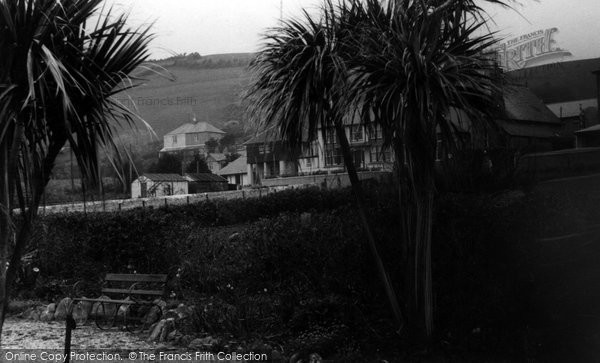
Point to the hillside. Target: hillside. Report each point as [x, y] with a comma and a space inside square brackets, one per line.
[207, 87]
[209, 94]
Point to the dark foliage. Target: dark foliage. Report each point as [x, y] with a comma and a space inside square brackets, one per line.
[267, 267]
[167, 163]
[197, 165]
[211, 145]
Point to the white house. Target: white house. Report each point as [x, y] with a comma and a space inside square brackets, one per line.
[159, 185]
[190, 138]
[236, 172]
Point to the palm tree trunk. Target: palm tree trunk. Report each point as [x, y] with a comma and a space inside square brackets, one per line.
[362, 211]
[5, 230]
[8, 274]
[417, 196]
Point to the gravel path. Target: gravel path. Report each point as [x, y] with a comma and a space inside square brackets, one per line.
[25, 334]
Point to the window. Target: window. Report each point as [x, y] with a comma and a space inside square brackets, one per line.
[196, 137]
[330, 136]
[309, 162]
[358, 157]
[378, 154]
[333, 156]
[310, 149]
[356, 133]
[375, 132]
[261, 148]
[174, 139]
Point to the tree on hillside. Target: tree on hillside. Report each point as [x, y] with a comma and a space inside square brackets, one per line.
[57, 83]
[226, 141]
[167, 164]
[197, 165]
[211, 145]
[403, 65]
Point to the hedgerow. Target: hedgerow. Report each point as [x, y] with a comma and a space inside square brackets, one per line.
[294, 264]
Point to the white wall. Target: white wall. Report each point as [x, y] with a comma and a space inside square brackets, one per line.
[163, 189]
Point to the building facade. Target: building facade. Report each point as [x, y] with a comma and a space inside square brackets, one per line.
[236, 172]
[216, 162]
[269, 157]
[159, 185]
[190, 139]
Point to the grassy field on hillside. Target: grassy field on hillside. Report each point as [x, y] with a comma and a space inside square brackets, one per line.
[212, 95]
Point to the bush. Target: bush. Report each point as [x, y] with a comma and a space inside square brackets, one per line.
[266, 267]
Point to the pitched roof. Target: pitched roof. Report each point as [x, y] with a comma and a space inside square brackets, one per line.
[217, 156]
[205, 177]
[272, 134]
[529, 130]
[269, 135]
[190, 128]
[560, 82]
[164, 177]
[590, 130]
[522, 104]
[238, 166]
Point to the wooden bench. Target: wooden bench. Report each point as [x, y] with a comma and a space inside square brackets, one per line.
[125, 292]
[128, 297]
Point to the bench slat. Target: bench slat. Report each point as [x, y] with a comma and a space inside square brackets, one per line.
[133, 292]
[136, 277]
[120, 302]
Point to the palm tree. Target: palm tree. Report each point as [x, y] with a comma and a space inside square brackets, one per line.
[57, 79]
[404, 65]
[298, 89]
[415, 63]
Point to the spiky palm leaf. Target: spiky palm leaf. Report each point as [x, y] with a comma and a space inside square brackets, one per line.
[401, 64]
[57, 82]
[298, 87]
[416, 62]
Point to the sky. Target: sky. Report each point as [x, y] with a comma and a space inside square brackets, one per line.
[210, 26]
[232, 26]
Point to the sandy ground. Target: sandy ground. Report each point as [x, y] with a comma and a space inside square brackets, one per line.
[25, 334]
[19, 334]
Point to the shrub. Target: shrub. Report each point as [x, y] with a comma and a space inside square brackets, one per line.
[259, 266]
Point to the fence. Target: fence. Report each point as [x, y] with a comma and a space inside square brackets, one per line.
[332, 181]
[173, 200]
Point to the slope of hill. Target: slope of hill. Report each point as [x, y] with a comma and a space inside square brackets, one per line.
[210, 91]
[210, 94]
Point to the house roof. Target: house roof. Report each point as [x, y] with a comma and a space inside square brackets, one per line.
[521, 104]
[590, 130]
[560, 82]
[205, 177]
[272, 134]
[269, 135]
[182, 148]
[217, 156]
[165, 177]
[529, 129]
[238, 166]
[191, 128]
